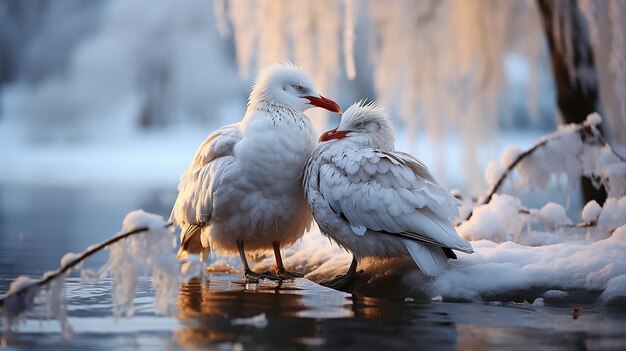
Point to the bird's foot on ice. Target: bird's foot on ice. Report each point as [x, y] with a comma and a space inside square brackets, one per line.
[343, 281]
[283, 273]
[255, 277]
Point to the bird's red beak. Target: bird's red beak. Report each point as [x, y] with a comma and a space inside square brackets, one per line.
[334, 134]
[324, 103]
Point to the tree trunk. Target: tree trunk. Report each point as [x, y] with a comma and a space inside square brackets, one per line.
[577, 95]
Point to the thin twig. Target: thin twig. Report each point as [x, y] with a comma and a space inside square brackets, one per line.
[587, 224]
[61, 270]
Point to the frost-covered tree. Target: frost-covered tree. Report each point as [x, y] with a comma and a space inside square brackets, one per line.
[441, 64]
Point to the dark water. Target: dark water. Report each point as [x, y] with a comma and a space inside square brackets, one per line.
[38, 225]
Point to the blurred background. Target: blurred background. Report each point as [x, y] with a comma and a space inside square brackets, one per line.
[119, 93]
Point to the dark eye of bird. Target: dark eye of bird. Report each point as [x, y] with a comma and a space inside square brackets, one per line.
[299, 88]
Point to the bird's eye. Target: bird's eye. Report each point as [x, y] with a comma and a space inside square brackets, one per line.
[299, 88]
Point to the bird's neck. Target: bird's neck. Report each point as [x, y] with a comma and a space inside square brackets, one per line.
[274, 107]
[382, 144]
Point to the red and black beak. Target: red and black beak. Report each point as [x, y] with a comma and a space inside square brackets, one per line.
[334, 134]
[324, 103]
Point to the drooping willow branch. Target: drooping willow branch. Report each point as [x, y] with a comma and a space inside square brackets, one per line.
[73, 263]
[586, 132]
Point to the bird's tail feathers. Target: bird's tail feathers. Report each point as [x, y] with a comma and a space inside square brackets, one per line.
[429, 258]
[191, 243]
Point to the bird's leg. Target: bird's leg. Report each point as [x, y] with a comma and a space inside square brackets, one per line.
[342, 281]
[247, 272]
[282, 272]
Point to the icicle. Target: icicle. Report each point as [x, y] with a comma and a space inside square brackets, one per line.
[617, 61]
[221, 22]
[348, 38]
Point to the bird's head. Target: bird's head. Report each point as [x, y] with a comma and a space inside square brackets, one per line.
[367, 124]
[287, 84]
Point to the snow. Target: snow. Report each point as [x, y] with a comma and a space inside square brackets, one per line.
[499, 220]
[16, 305]
[139, 254]
[68, 258]
[591, 211]
[593, 119]
[555, 295]
[615, 291]
[56, 306]
[613, 213]
[495, 269]
[554, 215]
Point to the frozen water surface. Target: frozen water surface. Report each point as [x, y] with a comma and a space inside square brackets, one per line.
[38, 225]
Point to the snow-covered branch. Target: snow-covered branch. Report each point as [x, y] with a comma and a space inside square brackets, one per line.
[70, 261]
[144, 246]
[581, 150]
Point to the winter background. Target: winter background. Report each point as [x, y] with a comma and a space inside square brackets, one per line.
[103, 104]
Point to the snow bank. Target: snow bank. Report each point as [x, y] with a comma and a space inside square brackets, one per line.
[507, 267]
[495, 271]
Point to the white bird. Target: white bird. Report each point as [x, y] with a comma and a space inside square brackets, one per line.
[244, 185]
[378, 202]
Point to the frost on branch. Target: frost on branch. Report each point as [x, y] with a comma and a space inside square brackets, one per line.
[561, 157]
[564, 156]
[143, 255]
[144, 247]
[19, 298]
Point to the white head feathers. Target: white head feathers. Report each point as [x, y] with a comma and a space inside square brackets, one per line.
[282, 84]
[369, 124]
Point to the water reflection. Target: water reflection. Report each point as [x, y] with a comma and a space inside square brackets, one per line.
[301, 313]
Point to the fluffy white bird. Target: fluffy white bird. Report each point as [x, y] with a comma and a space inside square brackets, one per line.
[243, 188]
[378, 202]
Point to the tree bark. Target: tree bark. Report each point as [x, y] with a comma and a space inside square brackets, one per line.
[577, 95]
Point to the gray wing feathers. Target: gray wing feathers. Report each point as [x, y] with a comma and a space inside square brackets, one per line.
[390, 192]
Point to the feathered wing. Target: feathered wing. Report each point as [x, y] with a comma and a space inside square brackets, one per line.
[390, 192]
[194, 205]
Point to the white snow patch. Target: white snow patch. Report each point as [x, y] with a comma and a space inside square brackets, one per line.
[594, 119]
[554, 215]
[69, 258]
[591, 211]
[499, 220]
[615, 290]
